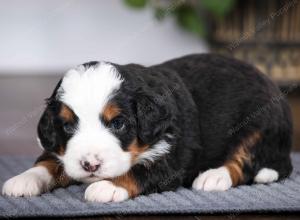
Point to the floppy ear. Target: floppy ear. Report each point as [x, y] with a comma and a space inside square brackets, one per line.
[153, 116]
[46, 126]
[46, 130]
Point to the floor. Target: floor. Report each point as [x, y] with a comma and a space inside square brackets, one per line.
[286, 216]
[22, 102]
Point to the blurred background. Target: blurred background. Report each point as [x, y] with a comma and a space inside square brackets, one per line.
[40, 40]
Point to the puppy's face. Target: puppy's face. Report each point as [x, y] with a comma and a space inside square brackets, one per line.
[95, 125]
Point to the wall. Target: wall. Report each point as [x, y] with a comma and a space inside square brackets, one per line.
[42, 37]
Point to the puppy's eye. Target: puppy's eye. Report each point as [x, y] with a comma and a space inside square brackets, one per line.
[117, 124]
[68, 128]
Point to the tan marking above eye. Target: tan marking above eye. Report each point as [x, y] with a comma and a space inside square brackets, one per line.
[66, 113]
[61, 150]
[110, 111]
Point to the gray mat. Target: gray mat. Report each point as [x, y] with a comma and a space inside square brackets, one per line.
[276, 197]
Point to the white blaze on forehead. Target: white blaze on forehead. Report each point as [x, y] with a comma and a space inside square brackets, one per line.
[86, 91]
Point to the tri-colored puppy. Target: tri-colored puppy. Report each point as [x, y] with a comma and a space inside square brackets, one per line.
[201, 120]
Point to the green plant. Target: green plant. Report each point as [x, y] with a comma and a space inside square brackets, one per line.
[192, 15]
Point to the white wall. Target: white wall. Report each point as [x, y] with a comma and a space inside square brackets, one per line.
[49, 36]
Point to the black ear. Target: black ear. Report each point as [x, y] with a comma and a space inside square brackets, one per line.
[154, 116]
[46, 126]
[46, 130]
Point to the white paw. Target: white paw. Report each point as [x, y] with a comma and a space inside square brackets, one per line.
[105, 191]
[30, 183]
[266, 175]
[213, 180]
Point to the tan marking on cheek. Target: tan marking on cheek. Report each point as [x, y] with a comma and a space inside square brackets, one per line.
[66, 113]
[57, 171]
[111, 111]
[240, 157]
[135, 149]
[128, 182]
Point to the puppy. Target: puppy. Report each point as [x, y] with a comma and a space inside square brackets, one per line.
[204, 121]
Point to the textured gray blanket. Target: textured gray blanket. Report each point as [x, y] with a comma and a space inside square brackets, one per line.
[283, 196]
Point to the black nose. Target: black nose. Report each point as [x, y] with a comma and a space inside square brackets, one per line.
[89, 167]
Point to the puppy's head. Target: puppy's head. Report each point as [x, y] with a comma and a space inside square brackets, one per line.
[100, 123]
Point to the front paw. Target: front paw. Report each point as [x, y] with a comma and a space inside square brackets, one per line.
[105, 191]
[29, 183]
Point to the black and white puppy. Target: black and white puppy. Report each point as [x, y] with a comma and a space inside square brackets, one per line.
[204, 121]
